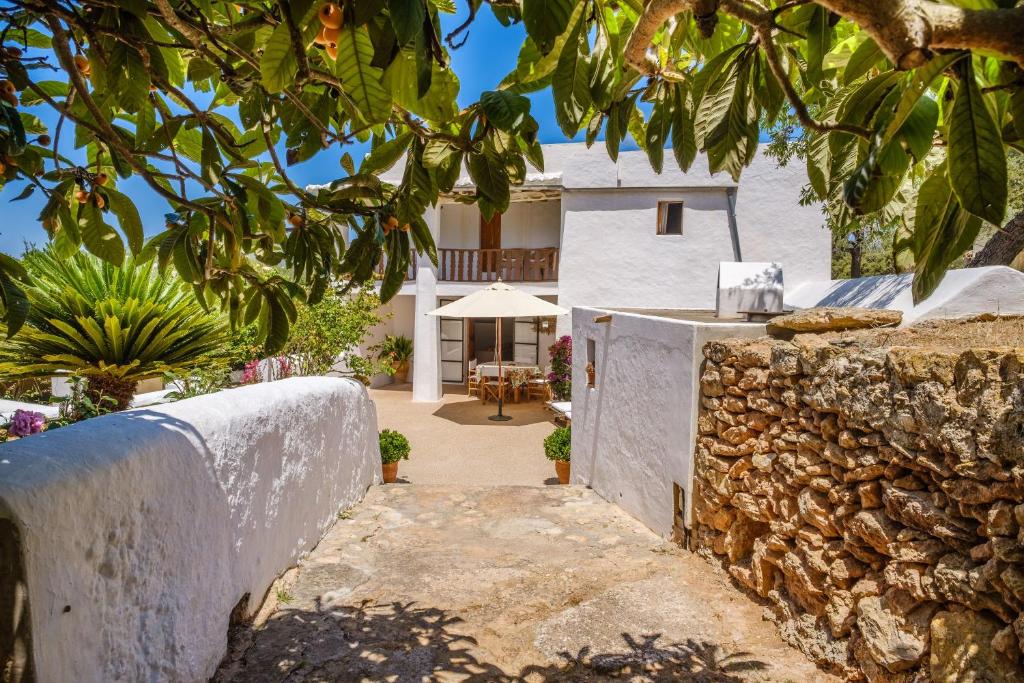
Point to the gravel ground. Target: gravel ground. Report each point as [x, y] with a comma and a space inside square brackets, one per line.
[509, 583]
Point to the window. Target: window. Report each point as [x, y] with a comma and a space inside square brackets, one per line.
[670, 218]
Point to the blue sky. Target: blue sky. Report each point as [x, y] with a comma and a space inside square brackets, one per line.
[488, 54]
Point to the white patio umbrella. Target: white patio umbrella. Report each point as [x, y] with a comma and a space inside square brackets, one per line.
[499, 301]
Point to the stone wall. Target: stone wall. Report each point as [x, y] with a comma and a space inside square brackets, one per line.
[873, 497]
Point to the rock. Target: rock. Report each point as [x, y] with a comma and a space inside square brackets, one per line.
[915, 509]
[816, 510]
[828, 319]
[870, 493]
[962, 650]
[1006, 643]
[875, 528]
[839, 612]
[895, 628]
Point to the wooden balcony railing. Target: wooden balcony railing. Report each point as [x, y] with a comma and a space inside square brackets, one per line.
[487, 265]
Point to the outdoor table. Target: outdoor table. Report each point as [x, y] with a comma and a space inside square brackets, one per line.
[491, 370]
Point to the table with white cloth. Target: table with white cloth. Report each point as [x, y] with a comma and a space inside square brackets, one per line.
[489, 371]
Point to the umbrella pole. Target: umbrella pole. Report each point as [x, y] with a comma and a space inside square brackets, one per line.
[500, 417]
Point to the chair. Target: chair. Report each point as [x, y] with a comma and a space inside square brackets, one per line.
[490, 388]
[473, 383]
[538, 387]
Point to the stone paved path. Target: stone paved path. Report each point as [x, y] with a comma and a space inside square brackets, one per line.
[445, 583]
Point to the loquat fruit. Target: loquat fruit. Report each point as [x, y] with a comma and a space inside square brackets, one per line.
[100, 203]
[332, 51]
[7, 86]
[44, 140]
[101, 178]
[82, 196]
[330, 15]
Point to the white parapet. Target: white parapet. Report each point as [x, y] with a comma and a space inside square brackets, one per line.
[141, 531]
[633, 430]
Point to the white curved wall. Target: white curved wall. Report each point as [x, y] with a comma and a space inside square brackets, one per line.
[142, 530]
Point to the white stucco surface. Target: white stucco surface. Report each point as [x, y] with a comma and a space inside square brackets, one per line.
[633, 432]
[142, 530]
[962, 292]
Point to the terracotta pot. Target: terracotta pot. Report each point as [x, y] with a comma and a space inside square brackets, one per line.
[562, 470]
[402, 372]
[390, 472]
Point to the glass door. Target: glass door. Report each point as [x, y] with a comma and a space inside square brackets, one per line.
[452, 348]
[527, 340]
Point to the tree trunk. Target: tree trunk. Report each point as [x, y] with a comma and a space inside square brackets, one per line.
[1004, 246]
[109, 393]
[856, 251]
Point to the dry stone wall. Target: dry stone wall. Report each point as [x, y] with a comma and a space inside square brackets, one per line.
[874, 498]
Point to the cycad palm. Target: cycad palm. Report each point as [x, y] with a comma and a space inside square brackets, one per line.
[114, 325]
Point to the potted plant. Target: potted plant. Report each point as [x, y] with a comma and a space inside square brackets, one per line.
[393, 447]
[396, 351]
[557, 446]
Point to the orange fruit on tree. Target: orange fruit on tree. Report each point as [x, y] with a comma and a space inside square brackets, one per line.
[99, 200]
[332, 51]
[43, 140]
[82, 196]
[7, 86]
[82, 63]
[296, 220]
[330, 15]
[320, 39]
[330, 35]
[101, 178]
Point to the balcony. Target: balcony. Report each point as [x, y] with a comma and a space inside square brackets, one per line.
[488, 265]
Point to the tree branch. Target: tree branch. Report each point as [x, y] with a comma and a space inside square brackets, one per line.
[908, 30]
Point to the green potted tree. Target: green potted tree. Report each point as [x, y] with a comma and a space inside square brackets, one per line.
[396, 351]
[557, 447]
[393, 447]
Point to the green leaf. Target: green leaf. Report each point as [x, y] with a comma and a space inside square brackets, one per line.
[570, 82]
[684, 142]
[875, 181]
[386, 154]
[128, 217]
[658, 129]
[491, 179]
[863, 58]
[407, 19]
[942, 232]
[919, 81]
[977, 159]
[98, 237]
[15, 301]
[503, 109]
[918, 129]
[819, 42]
[545, 20]
[278, 65]
[402, 81]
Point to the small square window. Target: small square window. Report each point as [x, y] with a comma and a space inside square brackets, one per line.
[670, 218]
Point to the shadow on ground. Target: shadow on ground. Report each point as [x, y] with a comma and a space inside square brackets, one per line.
[405, 642]
[477, 413]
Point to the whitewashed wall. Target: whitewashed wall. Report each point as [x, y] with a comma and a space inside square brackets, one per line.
[633, 433]
[142, 530]
[525, 225]
[612, 255]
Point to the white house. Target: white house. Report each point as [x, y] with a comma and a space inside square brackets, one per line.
[589, 231]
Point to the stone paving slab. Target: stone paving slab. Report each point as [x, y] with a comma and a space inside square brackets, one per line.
[546, 583]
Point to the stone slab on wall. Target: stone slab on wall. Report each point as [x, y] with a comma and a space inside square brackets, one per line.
[874, 497]
[141, 531]
[633, 432]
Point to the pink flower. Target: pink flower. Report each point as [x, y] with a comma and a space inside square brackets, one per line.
[26, 423]
[251, 374]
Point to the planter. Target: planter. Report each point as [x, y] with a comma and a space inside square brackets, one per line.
[390, 470]
[562, 470]
[402, 372]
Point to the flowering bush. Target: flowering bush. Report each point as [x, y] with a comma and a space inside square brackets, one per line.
[251, 373]
[26, 423]
[560, 377]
